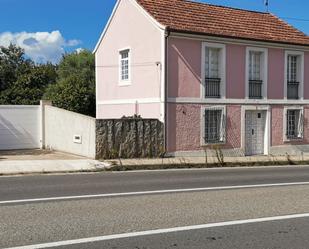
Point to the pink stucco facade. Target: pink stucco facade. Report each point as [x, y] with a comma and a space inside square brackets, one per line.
[184, 68]
[276, 60]
[184, 120]
[277, 127]
[129, 28]
[184, 126]
[235, 71]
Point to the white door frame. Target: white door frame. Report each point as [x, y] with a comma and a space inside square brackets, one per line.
[267, 133]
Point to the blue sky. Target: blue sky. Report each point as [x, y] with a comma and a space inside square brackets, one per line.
[51, 27]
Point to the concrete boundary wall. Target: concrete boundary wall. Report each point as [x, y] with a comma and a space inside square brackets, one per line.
[49, 127]
[69, 132]
[45, 126]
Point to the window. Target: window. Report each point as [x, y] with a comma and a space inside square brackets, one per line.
[255, 65]
[294, 124]
[256, 73]
[214, 70]
[292, 77]
[292, 68]
[212, 62]
[214, 125]
[124, 65]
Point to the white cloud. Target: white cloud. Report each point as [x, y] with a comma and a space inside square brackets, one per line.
[39, 46]
[79, 50]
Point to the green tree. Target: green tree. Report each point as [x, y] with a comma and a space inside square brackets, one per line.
[30, 87]
[12, 65]
[75, 87]
[22, 82]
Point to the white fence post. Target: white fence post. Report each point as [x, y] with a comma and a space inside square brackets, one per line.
[43, 103]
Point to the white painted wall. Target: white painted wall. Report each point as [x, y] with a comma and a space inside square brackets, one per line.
[20, 127]
[60, 128]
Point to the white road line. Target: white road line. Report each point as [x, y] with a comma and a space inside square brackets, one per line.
[160, 231]
[65, 198]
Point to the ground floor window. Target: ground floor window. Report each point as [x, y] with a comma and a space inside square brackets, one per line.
[294, 124]
[214, 125]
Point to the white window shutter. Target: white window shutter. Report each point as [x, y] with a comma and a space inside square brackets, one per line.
[205, 126]
[223, 127]
[286, 124]
[300, 125]
[207, 62]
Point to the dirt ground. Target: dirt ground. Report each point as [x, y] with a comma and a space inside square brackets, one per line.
[36, 155]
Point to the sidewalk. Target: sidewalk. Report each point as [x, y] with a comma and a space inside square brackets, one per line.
[38, 162]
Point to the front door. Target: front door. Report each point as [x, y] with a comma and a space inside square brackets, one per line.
[255, 132]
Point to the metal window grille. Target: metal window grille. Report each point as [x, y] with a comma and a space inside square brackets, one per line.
[293, 90]
[124, 64]
[294, 124]
[214, 128]
[212, 87]
[255, 89]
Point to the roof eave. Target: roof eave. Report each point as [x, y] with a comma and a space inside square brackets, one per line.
[235, 37]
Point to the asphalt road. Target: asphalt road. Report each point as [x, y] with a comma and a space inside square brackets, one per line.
[58, 220]
[292, 234]
[28, 187]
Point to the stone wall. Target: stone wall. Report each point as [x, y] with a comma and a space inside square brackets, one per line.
[129, 138]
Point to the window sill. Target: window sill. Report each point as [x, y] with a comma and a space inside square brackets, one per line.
[124, 83]
[297, 139]
[213, 144]
[215, 97]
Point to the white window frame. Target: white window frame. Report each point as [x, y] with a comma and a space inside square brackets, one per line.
[301, 76]
[263, 69]
[222, 68]
[223, 124]
[128, 81]
[286, 108]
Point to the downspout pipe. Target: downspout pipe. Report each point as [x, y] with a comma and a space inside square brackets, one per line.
[167, 34]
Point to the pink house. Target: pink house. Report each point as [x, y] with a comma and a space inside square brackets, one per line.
[211, 74]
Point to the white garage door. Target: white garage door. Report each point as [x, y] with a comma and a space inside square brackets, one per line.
[20, 127]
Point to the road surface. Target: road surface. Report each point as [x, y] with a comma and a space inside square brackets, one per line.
[213, 208]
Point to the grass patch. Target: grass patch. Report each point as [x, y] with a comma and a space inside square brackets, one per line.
[201, 166]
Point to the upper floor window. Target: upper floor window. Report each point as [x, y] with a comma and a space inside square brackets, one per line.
[212, 62]
[124, 69]
[257, 72]
[294, 75]
[214, 70]
[255, 65]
